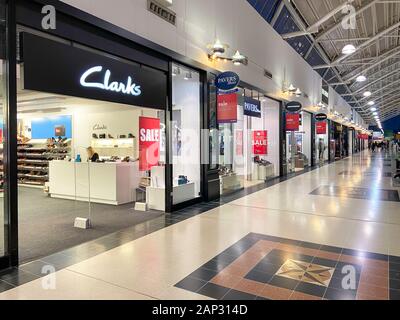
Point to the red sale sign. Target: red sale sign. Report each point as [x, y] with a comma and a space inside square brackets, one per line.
[321, 127]
[292, 122]
[227, 108]
[149, 143]
[260, 143]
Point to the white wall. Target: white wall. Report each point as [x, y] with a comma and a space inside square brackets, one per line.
[186, 98]
[270, 122]
[236, 23]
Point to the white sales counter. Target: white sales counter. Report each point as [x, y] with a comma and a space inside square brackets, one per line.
[110, 183]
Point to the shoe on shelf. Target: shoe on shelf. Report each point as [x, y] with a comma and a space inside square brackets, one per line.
[131, 136]
[95, 136]
[110, 136]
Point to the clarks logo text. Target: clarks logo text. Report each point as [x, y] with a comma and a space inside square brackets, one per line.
[128, 88]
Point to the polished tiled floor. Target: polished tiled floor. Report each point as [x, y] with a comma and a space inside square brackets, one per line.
[307, 234]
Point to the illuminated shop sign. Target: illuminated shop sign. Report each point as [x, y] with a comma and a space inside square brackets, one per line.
[125, 88]
[51, 66]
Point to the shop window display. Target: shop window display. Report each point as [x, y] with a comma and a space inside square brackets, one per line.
[249, 144]
[298, 143]
[233, 142]
[322, 141]
[185, 134]
[88, 159]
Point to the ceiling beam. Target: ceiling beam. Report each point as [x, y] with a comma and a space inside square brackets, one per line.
[302, 25]
[368, 42]
[378, 61]
[315, 27]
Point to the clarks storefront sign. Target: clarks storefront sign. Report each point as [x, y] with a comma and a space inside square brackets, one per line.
[55, 67]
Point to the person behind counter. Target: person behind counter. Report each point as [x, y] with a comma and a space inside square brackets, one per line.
[92, 155]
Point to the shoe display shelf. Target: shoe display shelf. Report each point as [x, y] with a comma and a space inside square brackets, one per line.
[33, 160]
[115, 147]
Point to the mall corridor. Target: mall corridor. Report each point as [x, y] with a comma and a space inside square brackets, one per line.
[291, 240]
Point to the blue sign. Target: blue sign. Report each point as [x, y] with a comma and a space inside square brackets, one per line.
[252, 107]
[227, 81]
[45, 128]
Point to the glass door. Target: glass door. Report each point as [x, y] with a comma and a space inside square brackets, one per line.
[3, 98]
[8, 237]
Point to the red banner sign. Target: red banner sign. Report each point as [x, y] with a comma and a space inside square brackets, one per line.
[149, 143]
[363, 136]
[321, 127]
[260, 143]
[292, 122]
[227, 108]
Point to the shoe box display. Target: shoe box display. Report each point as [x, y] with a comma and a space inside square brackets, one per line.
[263, 169]
[109, 136]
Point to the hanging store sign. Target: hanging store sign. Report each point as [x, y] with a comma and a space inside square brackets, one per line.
[292, 122]
[252, 107]
[54, 67]
[321, 127]
[293, 106]
[321, 117]
[149, 142]
[227, 108]
[227, 81]
[260, 142]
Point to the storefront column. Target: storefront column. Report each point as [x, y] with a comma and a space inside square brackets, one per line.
[10, 138]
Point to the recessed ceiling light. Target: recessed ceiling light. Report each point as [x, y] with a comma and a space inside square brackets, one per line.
[371, 103]
[375, 113]
[361, 78]
[373, 109]
[367, 93]
[348, 49]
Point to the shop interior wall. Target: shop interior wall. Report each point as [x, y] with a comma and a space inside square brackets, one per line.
[270, 122]
[85, 119]
[186, 100]
[306, 129]
[234, 22]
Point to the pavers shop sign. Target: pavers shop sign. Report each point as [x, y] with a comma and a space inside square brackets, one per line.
[252, 108]
[227, 81]
[149, 142]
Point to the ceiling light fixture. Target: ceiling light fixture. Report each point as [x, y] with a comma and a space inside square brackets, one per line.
[371, 103]
[361, 78]
[348, 49]
[373, 109]
[218, 48]
[239, 59]
[367, 93]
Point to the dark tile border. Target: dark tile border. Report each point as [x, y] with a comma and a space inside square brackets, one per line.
[266, 277]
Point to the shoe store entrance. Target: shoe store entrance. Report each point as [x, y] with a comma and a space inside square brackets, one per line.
[91, 146]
